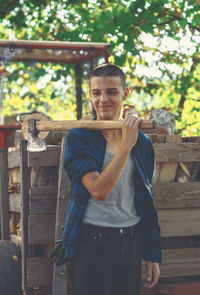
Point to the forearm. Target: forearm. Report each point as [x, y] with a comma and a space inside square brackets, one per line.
[100, 185]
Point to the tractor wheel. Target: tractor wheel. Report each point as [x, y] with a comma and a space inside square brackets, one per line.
[10, 269]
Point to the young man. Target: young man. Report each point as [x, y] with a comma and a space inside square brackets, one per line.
[111, 222]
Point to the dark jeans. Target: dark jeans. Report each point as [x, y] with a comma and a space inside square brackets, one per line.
[107, 261]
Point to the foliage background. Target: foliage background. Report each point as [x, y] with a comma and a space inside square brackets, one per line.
[155, 42]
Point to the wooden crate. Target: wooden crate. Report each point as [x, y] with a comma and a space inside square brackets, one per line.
[177, 195]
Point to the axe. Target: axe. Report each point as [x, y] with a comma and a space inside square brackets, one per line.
[36, 127]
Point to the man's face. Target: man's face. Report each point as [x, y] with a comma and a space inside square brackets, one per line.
[107, 95]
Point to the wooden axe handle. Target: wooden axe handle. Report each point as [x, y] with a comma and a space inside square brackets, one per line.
[91, 124]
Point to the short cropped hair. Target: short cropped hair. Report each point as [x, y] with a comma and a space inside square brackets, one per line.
[109, 70]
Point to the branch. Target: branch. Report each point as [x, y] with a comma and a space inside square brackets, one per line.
[186, 125]
[169, 21]
[194, 27]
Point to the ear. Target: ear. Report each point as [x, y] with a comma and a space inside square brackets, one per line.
[126, 93]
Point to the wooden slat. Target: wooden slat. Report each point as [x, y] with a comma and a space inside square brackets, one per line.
[179, 263]
[41, 229]
[60, 283]
[173, 138]
[14, 159]
[179, 222]
[39, 271]
[25, 185]
[177, 195]
[176, 263]
[176, 152]
[15, 203]
[43, 200]
[50, 157]
[165, 172]
[4, 201]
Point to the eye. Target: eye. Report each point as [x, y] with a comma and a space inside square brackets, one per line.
[96, 93]
[111, 92]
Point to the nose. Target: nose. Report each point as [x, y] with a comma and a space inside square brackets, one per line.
[103, 97]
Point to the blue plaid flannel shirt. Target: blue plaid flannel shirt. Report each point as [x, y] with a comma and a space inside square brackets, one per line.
[84, 152]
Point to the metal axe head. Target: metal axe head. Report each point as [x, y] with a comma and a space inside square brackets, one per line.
[35, 144]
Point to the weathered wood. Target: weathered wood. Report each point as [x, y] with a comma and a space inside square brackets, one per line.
[39, 271]
[165, 172]
[64, 190]
[50, 157]
[179, 222]
[25, 185]
[14, 158]
[177, 195]
[43, 200]
[173, 138]
[192, 139]
[175, 152]
[4, 201]
[41, 229]
[181, 242]
[15, 203]
[178, 262]
[44, 176]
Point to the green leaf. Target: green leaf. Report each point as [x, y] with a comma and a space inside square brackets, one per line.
[183, 22]
[146, 28]
[196, 19]
[120, 60]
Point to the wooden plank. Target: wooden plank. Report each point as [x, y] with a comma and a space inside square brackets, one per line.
[41, 229]
[43, 200]
[192, 139]
[176, 263]
[179, 263]
[39, 271]
[50, 157]
[15, 203]
[4, 201]
[165, 172]
[177, 195]
[14, 158]
[61, 282]
[176, 152]
[25, 185]
[173, 138]
[179, 222]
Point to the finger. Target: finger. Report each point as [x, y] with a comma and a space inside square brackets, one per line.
[152, 283]
[154, 280]
[130, 118]
[149, 272]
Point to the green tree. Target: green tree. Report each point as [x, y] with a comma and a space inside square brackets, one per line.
[162, 72]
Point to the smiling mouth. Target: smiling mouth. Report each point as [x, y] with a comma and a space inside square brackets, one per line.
[104, 107]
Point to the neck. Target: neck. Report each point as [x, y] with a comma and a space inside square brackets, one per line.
[111, 134]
